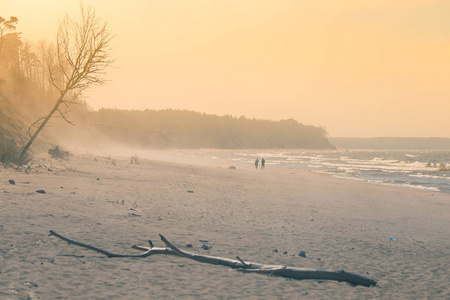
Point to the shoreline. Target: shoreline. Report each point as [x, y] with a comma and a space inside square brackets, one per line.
[340, 224]
[205, 161]
[266, 152]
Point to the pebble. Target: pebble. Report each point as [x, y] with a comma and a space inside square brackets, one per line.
[302, 254]
[29, 284]
[11, 181]
[41, 192]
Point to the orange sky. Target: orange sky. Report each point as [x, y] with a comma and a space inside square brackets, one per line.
[358, 68]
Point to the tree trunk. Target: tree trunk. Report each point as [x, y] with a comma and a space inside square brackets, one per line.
[30, 142]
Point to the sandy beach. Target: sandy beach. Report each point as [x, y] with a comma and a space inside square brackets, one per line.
[399, 237]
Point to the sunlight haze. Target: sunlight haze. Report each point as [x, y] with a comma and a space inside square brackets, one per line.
[357, 68]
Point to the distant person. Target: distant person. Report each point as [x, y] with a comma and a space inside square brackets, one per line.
[263, 162]
[256, 163]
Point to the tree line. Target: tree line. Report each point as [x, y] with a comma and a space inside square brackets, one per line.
[171, 128]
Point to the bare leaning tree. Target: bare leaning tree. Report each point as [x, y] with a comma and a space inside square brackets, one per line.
[76, 63]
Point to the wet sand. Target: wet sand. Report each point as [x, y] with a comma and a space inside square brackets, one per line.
[261, 216]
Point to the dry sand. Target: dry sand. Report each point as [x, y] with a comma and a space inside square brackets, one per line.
[262, 216]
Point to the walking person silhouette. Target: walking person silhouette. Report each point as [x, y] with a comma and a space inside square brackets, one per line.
[263, 162]
[256, 163]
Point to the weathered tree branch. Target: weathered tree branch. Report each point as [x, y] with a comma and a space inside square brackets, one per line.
[239, 264]
[148, 251]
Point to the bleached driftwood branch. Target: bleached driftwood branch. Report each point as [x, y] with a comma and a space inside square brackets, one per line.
[238, 263]
[148, 250]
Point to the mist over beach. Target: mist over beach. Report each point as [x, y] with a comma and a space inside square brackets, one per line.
[224, 150]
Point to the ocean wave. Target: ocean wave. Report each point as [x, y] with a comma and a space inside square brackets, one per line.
[393, 167]
[429, 176]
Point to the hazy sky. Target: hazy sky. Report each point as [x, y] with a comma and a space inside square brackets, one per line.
[358, 68]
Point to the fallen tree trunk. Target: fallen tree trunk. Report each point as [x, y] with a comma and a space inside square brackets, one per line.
[238, 263]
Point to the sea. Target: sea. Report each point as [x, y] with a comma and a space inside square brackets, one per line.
[417, 169]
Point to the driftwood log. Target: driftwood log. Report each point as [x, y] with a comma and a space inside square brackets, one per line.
[238, 263]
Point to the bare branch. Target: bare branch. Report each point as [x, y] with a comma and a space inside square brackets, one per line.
[32, 125]
[273, 270]
[110, 254]
[64, 117]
